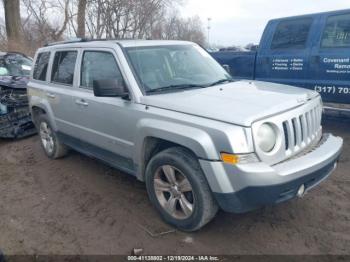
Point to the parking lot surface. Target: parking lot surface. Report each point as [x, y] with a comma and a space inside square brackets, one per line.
[77, 205]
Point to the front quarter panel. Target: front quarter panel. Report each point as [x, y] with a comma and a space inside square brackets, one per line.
[204, 137]
[193, 138]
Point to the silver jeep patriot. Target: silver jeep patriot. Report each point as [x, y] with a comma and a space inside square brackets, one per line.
[169, 114]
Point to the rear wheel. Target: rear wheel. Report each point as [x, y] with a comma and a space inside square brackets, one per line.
[49, 140]
[178, 189]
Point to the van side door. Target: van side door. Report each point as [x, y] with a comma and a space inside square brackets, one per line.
[330, 58]
[284, 51]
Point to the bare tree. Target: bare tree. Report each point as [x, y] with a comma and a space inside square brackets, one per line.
[13, 24]
[53, 20]
[3, 39]
[176, 28]
[124, 18]
[40, 13]
[81, 18]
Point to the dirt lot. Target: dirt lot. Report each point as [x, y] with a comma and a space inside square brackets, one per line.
[77, 205]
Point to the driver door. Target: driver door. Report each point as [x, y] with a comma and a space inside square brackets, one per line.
[104, 123]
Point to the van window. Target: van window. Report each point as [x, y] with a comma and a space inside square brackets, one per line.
[63, 67]
[337, 31]
[291, 34]
[40, 67]
[98, 65]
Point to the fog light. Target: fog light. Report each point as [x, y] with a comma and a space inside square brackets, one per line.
[301, 191]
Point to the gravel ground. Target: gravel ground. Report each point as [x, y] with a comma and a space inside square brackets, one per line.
[77, 205]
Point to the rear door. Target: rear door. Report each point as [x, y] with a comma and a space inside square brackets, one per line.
[283, 55]
[330, 58]
[61, 78]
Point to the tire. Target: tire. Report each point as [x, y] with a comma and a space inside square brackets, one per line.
[184, 209]
[52, 146]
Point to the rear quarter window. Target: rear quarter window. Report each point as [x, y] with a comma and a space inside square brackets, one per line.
[63, 67]
[40, 67]
[292, 34]
[337, 32]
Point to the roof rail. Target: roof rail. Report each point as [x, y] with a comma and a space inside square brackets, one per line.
[111, 39]
[78, 40]
[74, 40]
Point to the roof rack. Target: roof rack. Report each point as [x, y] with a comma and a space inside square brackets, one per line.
[75, 40]
[78, 40]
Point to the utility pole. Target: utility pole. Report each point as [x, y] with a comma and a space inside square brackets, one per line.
[209, 20]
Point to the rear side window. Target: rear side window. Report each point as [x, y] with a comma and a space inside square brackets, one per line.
[40, 67]
[337, 31]
[98, 65]
[63, 67]
[291, 34]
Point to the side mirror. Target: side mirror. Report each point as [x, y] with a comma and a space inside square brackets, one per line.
[109, 88]
[227, 68]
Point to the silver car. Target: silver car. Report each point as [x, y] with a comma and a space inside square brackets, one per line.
[167, 113]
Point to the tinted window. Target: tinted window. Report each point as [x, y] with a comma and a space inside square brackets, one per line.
[40, 67]
[98, 66]
[63, 67]
[291, 34]
[337, 31]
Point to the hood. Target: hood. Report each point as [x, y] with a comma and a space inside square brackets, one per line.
[241, 102]
[14, 81]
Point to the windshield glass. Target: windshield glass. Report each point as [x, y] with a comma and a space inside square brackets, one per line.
[170, 67]
[15, 65]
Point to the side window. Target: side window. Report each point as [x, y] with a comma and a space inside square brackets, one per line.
[337, 31]
[98, 65]
[291, 34]
[40, 67]
[63, 67]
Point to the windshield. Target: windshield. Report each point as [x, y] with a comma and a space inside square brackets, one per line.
[169, 67]
[15, 65]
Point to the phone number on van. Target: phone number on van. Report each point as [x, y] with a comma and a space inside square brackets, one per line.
[332, 89]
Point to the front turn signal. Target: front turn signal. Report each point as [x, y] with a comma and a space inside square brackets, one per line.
[233, 159]
[229, 158]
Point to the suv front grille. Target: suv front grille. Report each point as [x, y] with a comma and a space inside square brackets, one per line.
[301, 130]
[298, 130]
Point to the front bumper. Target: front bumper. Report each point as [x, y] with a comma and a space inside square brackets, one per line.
[240, 188]
[16, 124]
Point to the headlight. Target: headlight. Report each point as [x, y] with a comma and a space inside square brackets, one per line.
[266, 137]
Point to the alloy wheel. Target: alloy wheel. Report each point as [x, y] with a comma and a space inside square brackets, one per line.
[46, 137]
[174, 192]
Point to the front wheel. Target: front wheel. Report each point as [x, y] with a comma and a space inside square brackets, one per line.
[178, 189]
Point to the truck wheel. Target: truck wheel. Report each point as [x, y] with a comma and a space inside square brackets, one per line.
[49, 141]
[178, 189]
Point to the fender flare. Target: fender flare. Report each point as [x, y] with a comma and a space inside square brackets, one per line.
[196, 140]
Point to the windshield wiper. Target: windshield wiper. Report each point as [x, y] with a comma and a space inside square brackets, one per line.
[221, 81]
[174, 87]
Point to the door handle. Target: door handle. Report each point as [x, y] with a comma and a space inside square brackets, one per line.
[50, 95]
[81, 102]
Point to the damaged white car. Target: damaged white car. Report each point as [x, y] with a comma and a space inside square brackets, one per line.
[15, 119]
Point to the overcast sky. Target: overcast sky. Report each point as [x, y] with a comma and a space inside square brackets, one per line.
[243, 21]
